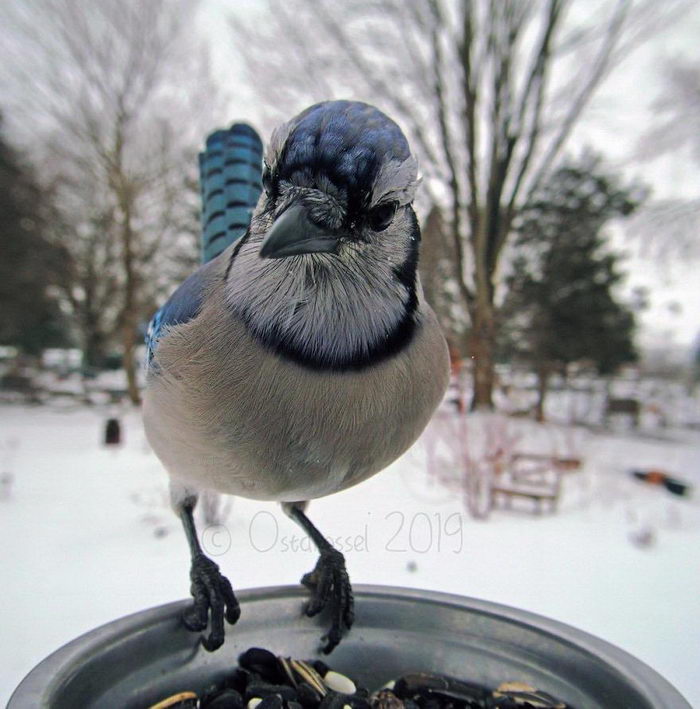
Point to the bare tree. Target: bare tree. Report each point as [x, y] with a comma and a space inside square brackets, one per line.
[114, 96]
[677, 108]
[88, 279]
[488, 90]
[669, 228]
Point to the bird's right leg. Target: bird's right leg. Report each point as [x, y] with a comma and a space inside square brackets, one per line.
[328, 581]
[212, 592]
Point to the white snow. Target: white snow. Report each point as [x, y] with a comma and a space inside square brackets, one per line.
[87, 536]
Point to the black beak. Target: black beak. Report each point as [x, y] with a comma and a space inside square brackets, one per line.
[293, 233]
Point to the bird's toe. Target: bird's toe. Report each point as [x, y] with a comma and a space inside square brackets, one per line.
[330, 588]
[214, 602]
[193, 620]
[195, 617]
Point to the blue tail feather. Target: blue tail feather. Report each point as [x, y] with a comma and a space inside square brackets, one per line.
[230, 171]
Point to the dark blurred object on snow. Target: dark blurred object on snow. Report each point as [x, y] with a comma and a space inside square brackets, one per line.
[626, 407]
[659, 477]
[644, 537]
[6, 480]
[113, 432]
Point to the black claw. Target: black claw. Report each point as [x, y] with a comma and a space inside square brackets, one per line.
[309, 580]
[349, 615]
[195, 618]
[214, 600]
[192, 621]
[213, 642]
[332, 641]
[330, 587]
[233, 610]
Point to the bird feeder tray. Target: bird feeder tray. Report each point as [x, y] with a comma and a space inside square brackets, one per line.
[136, 661]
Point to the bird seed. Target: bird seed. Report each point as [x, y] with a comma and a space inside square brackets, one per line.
[265, 681]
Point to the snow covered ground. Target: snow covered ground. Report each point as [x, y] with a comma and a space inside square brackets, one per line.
[87, 536]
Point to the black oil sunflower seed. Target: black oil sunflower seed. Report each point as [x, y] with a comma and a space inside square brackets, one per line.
[284, 683]
[265, 689]
[264, 663]
[223, 699]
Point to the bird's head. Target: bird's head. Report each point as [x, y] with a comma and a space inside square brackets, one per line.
[327, 273]
[337, 176]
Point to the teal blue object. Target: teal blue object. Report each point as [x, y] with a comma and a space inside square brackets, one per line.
[230, 173]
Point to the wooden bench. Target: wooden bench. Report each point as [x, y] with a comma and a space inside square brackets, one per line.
[539, 496]
[628, 407]
[557, 462]
[531, 477]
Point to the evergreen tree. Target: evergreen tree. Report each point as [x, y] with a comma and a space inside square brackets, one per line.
[562, 306]
[30, 317]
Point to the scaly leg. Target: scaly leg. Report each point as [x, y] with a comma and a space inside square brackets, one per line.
[210, 589]
[328, 581]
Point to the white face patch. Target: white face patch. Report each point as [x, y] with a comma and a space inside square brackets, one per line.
[396, 181]
[277, 140]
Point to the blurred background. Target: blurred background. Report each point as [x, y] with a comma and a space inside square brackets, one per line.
[559, 143]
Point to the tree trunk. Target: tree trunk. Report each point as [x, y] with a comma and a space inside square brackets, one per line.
[125, 192]
[481, 351]
[93, 347]
[92, 337]
[543, 374]
[130, 314]
[130, 365]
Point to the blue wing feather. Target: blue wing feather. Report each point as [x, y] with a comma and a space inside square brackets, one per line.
[182, 306]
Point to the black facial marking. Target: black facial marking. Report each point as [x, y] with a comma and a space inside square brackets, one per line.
[235, 251]
[394, 343]
[270, 183]
[406, 272]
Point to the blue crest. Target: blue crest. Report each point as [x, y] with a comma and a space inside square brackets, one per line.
[346, 141]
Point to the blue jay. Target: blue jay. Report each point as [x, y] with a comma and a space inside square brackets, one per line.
[303, 358]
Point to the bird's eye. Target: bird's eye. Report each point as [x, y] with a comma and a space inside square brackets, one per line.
[381, 216]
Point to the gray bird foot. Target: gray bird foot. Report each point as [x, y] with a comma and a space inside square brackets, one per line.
[329, 584]
[211, 591]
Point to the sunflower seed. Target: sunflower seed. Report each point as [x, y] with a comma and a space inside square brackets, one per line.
[339, 683]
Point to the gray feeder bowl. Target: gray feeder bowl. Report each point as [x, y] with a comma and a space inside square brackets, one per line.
[139, 660]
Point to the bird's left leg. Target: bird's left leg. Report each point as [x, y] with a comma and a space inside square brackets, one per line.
[328, 582]
[211, 590]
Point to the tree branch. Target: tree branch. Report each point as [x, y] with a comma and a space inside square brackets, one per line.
[530, 111]
[437, 23]
[590, 83]
[470, 113]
